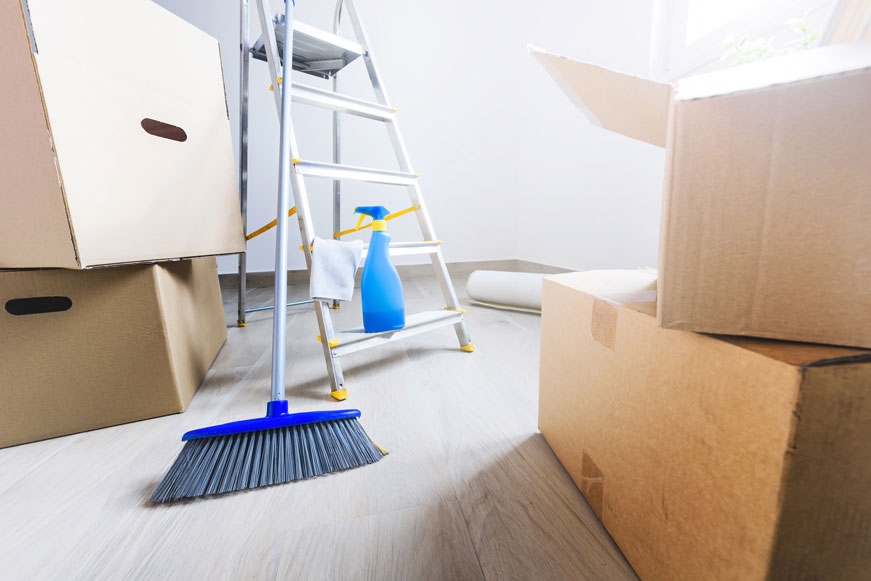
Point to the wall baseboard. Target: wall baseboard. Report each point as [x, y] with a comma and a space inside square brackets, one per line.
[456, 269]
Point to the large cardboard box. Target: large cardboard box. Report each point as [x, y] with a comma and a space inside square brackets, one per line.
[87, 349]
[706, 457]
[766, 207]
[117, 144]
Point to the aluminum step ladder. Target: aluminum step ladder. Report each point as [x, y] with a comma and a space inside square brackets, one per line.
[324, 55]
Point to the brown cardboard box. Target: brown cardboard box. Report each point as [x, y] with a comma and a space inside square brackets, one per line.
[105, 346]
[706, 457]
[117, 144]
[767, 200]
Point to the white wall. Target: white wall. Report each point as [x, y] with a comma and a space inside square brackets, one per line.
[509, 168]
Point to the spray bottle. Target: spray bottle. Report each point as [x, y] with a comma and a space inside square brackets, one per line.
[383, 301]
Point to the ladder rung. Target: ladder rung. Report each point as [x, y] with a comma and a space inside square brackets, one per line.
[408, 248]
[341, 103]
[358, 339]
[349, 172]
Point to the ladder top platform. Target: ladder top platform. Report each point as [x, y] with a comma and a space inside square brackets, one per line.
[315, 51]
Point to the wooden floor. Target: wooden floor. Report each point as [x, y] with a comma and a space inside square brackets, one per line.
[470, 489]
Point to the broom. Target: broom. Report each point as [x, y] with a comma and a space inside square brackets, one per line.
[280, 447]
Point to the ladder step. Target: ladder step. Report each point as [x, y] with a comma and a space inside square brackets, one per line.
[409, 248]
[357, 339]
[341, 103]
[349, 172]
[315, 51]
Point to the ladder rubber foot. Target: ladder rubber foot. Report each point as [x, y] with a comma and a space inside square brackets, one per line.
[336, 307]
[241, 323]
[340, 394]
[468, 348]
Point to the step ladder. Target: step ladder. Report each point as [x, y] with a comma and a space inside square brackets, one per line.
[324, 54]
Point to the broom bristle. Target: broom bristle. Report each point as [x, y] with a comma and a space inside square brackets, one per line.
[249, 460]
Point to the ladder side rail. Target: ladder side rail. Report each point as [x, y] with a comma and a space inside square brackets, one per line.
[244, 63]
[337, 184]
[426, 227]
[322, 312]
[371, 67]
[396, 139]
[337, 141]
[271, 47]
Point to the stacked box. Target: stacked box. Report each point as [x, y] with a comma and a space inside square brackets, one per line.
[118, 144]
[89, 349]
[706, 457]
[766, 200]
[740, 455]
[117, 155]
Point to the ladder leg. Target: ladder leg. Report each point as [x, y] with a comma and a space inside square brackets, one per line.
[322, 308]
[243, 154]
[438, 260]
[444, 278]
[334, 366]
[337, 184]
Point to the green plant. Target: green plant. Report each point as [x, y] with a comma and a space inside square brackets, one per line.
[747, 50]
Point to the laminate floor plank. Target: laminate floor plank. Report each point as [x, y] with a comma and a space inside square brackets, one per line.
[470, 489]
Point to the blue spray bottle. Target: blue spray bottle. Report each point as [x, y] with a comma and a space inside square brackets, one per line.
[383, 301]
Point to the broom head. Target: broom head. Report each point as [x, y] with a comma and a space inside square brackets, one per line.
[278, 448]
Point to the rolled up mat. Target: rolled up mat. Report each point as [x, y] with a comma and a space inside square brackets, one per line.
[507, 290]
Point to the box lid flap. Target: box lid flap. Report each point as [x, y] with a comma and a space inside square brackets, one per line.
[636, 290]
[799, 66]
[626, 104]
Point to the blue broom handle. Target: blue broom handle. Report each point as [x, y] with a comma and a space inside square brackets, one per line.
[279, 321]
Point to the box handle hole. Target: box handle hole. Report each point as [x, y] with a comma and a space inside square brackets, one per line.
[38, 305]
[165, 130]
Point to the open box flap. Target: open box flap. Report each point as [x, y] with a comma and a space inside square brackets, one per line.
[626, 104]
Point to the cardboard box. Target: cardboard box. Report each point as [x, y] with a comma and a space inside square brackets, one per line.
[766, 208]
[706, 457]
[82, 350]
[117, 144]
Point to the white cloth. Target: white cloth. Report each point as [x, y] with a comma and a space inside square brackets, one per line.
[334, 266]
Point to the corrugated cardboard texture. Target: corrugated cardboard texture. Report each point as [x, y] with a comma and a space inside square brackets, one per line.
[826, 511]
[33, 218]
[133, 196]
[767, 211]
[108, 359]
[190, 301]
[622, 103]
[682, 440]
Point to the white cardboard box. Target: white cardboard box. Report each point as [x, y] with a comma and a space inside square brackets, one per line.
[117, 144]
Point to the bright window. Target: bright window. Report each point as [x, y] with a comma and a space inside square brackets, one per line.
[689, 35]
[707, 16]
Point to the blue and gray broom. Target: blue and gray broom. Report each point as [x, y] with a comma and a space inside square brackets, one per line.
[280, 447]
